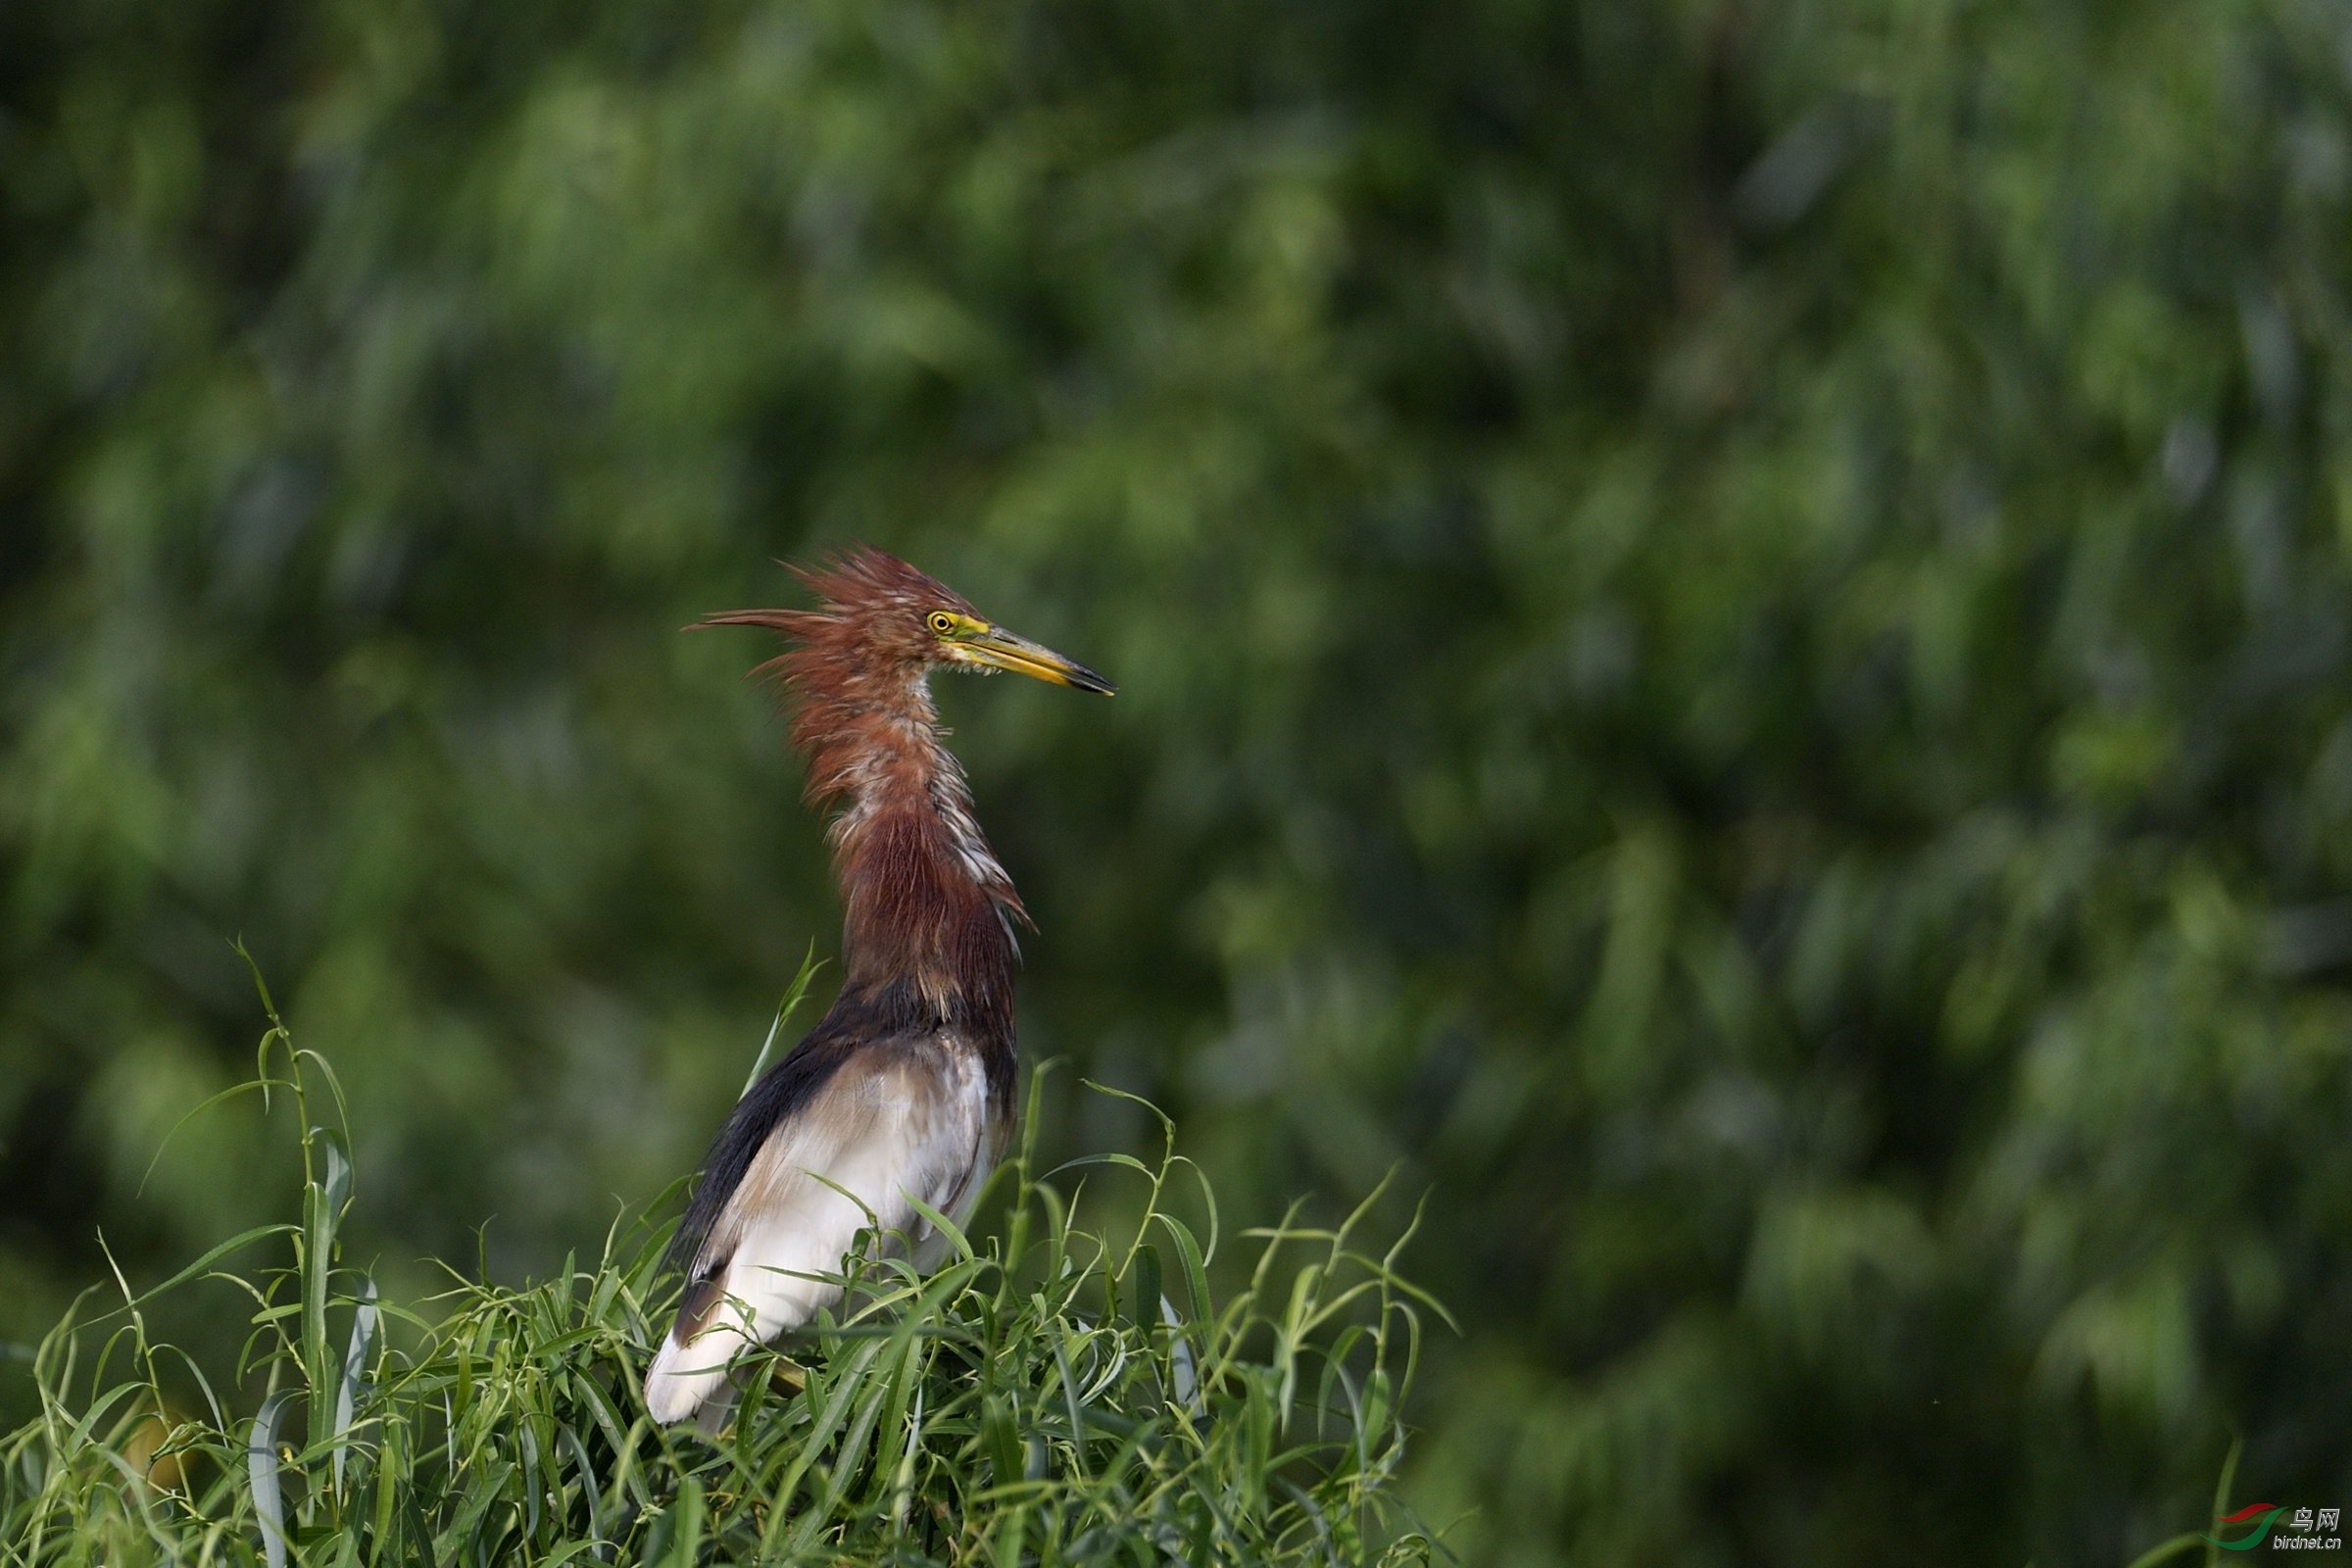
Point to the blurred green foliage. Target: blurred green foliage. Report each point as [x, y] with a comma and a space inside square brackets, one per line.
[1732, 626]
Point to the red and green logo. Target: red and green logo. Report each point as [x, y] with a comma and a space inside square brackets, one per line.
[2255, 1518]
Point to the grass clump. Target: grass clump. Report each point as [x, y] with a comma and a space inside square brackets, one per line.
[1053, 1393]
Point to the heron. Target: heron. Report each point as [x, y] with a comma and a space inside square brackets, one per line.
[904, 1091]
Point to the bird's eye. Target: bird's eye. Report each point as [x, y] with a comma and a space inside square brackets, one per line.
[942, 622]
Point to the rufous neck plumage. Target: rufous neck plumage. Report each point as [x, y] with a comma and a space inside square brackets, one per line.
[924, 898]
[929, 914]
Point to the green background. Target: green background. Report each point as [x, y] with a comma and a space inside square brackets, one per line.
[1733, 634]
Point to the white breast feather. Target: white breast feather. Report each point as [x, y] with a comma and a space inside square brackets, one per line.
[919, 1127]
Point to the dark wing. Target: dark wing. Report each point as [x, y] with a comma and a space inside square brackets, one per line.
[782, 1090]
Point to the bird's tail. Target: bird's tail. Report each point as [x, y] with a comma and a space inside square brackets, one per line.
[684, 1377]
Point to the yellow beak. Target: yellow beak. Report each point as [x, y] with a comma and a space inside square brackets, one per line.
[1002, 650]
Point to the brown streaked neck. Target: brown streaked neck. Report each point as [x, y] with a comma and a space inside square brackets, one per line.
[924, 899]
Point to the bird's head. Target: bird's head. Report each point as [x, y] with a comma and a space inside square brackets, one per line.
[879, 620]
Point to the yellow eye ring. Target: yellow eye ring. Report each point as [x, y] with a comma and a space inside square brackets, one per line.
[942, 622]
